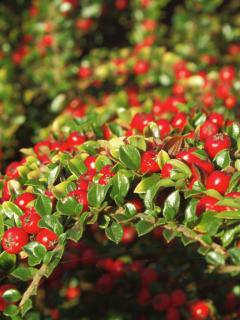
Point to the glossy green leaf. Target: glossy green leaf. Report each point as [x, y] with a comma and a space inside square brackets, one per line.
[171, 205]
[130, 157]
[114, 232]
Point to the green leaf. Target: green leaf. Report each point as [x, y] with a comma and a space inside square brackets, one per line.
[26, 307]
[144, 227]
[235, 255]
[162, 158]
[1, 224]
[233, 131]
[53, 174]
[51, 222]
[11, 310]
[171, 205]
[35, 249]
[120, 187]
[76, 232]
[97, 194]
[69, 206]
[148, 182]
[130, 157]
[12, 295]
[138, 142]
[10, 209]
[24, 273]
[77, 167]
[7, 262]
[228, 237]
[209, 223]
[102, 161]
[180, 167]
[169, 235]
[190, 212]
[223, 159]
[229, 215]
[215, 258]
[43, 205]
[114, 232]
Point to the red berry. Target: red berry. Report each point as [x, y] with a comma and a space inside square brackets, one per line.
[149, 163]
[72, 293]
[234, 194]
[90, 164]
[178, 298]
[148, 276]
[230, 102]
[218, 181]
[164, 127]
[47, 238]
[84, 72]
[81, 197]
[30, 220]
[129, 235]
[138, 204]
[11, 170]
[227, 74]
[84, 24]
[217, 143]
[173, 314]
[208, 99]
[14, 239]
[161, 302]
[217, 119]
[141, 120]
[75, 139]
[24, 199]
[179, 121]
[166, 170]
[3, 288]
[121, 4]
[208, 129]
[144, 296]
[199, 310]
[105, 283]
[141, 67]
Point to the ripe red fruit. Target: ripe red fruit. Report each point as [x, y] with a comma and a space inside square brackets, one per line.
[47, 238]
[138, 204]
[217, 143]
[81, 197]
[75, 139]
[218, 181]
[234, 194]
[129, 235]
[30, 220]
[144, 296]
[121, 4]
[90, 164]
[149, 163]
[179, 121]
[204, 204]
[84, 24]
[227, 74]
[216, 118]
[14, 239]
[72, 293]
[208, 99]
[173, 314]
[164, 127]
[24, 199]
[105, 283]
[84, 72]
[178, 298]
[230, 102]
[166, 170]
[148, 276]
[11, 170]
[161, 302]
[199, 310]
[141, 120]
[208, 129]
[141, 67]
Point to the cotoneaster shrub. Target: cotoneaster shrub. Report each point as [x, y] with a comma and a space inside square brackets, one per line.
[112, 171]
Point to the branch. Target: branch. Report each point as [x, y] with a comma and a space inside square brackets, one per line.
[32, 288]
[196, 237]
[227, 269]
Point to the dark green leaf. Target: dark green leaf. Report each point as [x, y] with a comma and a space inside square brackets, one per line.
[24, 273]
[215, 258]
[144, 227]
[235, 255]
[130, 156]
[69, 206]
[223, 159]
[7, 262]
[171, 205]
[12, 295]
[114, 232]
[97, 194]
[43, 205]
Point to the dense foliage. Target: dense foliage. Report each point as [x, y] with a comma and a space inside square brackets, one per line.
[127, 205]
